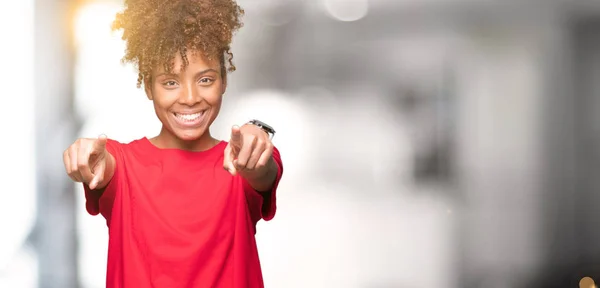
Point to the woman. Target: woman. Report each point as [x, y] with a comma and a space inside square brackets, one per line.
[181, 207]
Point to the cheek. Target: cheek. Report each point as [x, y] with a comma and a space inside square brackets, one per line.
[163, 101]
[214, 99]
[160, 111]
[216, 102]
[215, 107]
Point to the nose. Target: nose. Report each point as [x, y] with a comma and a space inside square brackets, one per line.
[190, 96]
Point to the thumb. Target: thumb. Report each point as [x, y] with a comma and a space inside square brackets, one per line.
[98, 177]
[236, 136]
[100, 143]
[228, 160]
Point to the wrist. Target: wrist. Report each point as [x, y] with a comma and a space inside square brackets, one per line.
[252, 125]
[263, 126]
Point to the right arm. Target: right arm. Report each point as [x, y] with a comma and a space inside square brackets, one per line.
[88, 161]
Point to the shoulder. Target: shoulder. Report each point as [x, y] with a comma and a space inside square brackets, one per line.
[119, 147]
[131, 144]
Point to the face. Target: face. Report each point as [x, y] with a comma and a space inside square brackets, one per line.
[187, 101]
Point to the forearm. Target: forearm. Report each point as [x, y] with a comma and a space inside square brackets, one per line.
[264, 181]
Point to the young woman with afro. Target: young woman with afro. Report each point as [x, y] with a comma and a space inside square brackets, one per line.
[181, 207]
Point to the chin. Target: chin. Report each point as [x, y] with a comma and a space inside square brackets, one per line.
[189, 135]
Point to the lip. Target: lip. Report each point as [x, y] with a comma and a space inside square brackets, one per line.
[189, 119]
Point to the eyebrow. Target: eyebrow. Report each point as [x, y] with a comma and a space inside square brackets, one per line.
[197, 74]
[206, 71]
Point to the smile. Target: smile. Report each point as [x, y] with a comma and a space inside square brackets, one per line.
[189, 119]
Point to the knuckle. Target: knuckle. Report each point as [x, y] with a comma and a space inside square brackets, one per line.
[82, 164]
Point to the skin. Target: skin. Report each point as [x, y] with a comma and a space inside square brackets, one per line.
[178, 97]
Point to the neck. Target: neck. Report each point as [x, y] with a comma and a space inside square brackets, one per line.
[166, 140]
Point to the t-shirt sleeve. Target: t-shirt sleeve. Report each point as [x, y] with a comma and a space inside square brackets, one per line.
[269, 206]
[101, 201]
[263, 205]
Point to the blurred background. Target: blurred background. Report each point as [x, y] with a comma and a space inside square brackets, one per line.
[426, 143]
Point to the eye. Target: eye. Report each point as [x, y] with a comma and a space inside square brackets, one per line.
[170, 83]
[205, 80]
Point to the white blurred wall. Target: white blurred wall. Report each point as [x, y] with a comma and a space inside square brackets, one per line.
[17, 172]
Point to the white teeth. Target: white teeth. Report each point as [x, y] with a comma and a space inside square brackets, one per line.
[189, 117]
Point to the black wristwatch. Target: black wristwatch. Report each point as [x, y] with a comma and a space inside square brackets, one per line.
[264, 126]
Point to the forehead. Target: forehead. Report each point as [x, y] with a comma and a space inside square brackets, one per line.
[196, 60]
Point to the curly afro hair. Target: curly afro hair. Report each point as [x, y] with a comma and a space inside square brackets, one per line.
[156, 30]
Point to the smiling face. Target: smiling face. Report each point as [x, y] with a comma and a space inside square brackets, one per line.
[187, 101]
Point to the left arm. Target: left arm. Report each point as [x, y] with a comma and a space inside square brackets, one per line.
[250, 154]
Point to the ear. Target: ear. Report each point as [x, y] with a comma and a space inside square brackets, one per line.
[148, 88]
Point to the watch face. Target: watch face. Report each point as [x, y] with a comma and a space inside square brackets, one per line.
[263, 125]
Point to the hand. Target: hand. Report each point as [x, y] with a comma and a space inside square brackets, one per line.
[85, 160]
[249, 152]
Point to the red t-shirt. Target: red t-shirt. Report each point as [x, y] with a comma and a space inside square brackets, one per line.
[177, 219]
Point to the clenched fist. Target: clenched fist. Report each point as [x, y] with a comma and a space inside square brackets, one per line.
[87, 161]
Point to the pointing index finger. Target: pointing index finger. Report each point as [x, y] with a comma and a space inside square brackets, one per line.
[236, 137]
[100, 143]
